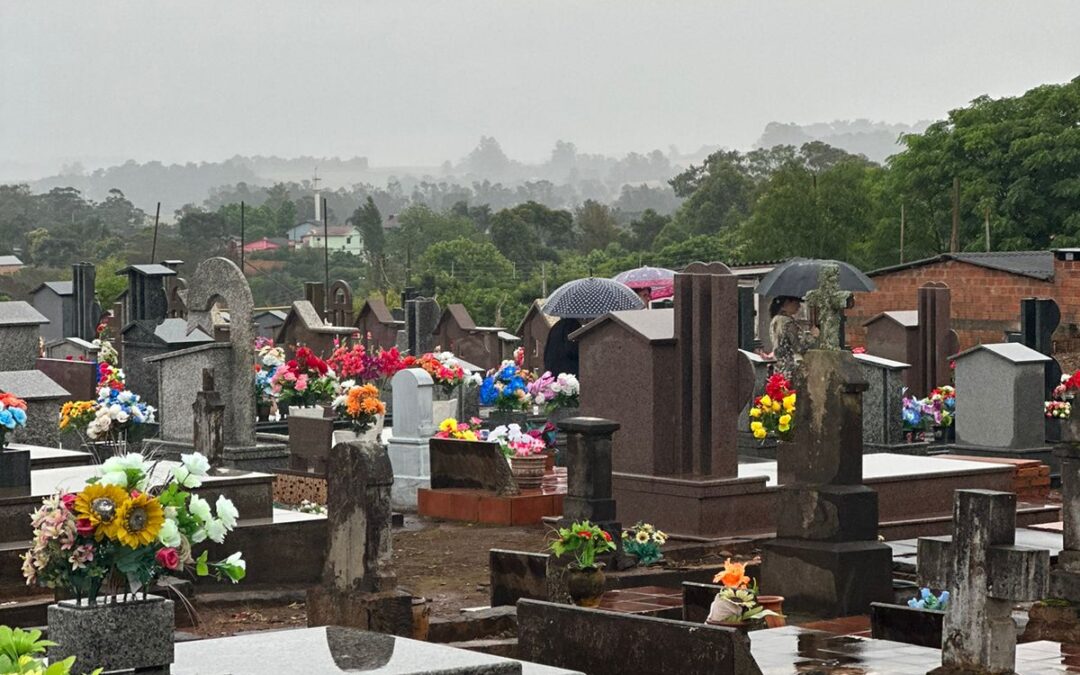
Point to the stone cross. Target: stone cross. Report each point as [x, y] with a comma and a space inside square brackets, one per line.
[1065, 579]
[828, 303]
[209, 420]
[985, 574]
[359, 587]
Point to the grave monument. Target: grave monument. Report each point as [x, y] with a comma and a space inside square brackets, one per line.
[413, 393]
[985, 574]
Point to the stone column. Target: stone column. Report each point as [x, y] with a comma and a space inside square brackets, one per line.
[588, 472]
[85, 319]
[1065, 579]
[359, 586]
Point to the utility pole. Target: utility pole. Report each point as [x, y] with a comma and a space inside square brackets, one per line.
[153, 248]
[987, 229]
[242, 237]
[326, 261]
[954, 240]
[902, 219]
[543, 279]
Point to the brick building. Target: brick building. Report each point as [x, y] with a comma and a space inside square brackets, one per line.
[986, 292]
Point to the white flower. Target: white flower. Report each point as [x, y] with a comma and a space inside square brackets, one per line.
[199, 536]
[118, 478]
[236, 561]
[215, 529]
[184, 478]
[200, 508]
[169, 534]
[227, 512]
[170, 512]
[196, 463]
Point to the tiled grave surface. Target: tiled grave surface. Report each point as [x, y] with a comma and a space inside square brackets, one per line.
[51, 458]
[859, 626]
[483, 506]
[647, 600]
[884, 465]
[781, 651]
[905, 556]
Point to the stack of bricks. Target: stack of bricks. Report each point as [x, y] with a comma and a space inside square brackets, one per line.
[1031, 478]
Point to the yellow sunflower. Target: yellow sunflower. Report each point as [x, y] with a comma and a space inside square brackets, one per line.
[139, 520]
[100, 504]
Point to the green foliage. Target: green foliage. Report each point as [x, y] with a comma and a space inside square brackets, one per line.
[585, 541]
[369, 221]
[20, 650]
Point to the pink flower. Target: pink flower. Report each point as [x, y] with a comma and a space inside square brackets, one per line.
[68, 501]
[291, 377]
[84, 527]
[301, 383]
[168, 558]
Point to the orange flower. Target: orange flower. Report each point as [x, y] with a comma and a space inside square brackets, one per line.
[733, 575]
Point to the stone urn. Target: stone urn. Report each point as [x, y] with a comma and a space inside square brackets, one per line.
[113, 633]
[585, 586]
[529, 471]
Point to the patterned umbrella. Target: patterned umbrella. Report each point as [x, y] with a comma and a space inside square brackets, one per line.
[589, 298]
[660, 281]
[799, 276]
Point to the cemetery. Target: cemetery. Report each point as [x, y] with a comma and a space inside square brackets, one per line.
[415, 494]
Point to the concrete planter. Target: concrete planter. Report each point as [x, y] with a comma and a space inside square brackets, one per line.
[441, 410]
[114, 634]
[528, 471]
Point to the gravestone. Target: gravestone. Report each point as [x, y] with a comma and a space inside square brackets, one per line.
[72, 348]
[588, 473]
[209, 419]
[359, 587]
[1002, 389]
[985, 574]
[87, 312]
[340, 304]
[747, 318]
[471, 465]
[315, 293]
[937, 339]
[1039, 317]
[826, 559]
[883, 404]
[79, 378]
[310, 440]
[412, 393]
[43, 400]
[19, 335]
[748, 445]
[304, 326]
[421, 318]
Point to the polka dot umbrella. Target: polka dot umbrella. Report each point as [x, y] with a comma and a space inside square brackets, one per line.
[589, 298]
[659, 280]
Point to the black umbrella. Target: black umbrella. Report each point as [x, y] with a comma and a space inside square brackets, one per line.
[799, 276]
[589, 298]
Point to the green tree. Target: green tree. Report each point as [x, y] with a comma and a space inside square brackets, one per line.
[368, 220]
[597, 226]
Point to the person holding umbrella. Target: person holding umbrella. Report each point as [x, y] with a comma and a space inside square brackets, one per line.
[789, 340]
[576, 302]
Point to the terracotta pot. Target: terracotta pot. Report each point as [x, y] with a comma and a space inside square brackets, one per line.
[774, 603]
[585, 587]
[421, 615]
[528, 471]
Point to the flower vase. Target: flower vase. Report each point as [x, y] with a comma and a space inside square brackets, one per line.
[528, 471]
[774, 603]
[496, 418]
[103, 450]
[114, 633]
[585, 587]
[262, 411]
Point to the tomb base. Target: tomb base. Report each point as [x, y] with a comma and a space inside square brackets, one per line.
[259, 457]
[1044, 454]
[14, 469]
[827, 513]
[383, 612]
[699, 507]
[412, 471]
[827, 579]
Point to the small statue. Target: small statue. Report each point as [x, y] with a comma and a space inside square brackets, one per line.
[828, 303]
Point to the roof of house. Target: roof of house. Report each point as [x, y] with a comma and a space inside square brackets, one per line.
[654, 325]
[1011, 351]
[537, 309]
[908, 318]
[1034, 264]
[58, 287]
[19, 313]
[10, 261]
[459, 314]
[333, 231]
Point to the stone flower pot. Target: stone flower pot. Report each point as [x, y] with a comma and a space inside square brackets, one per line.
[774, 603]
[113, 634]
[528, 471]
[372, 433]
[585, 587]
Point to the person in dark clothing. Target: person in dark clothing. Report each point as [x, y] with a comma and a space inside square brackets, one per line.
[560, 352]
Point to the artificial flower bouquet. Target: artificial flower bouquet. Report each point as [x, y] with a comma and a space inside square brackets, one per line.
[110, 376]
[506, 388]
[1061, 410]
[737, 600]
[555, 391]
[937, 409]
[359, 404]
[585, 541]
[461, 431]
[643, 541]
[773, 413]
[12, 415]
[516, 442]
[127, 526]
[927, 600]
[268, 354]
[444, 368]
[352, 362]
[108, 418]
[306, 380]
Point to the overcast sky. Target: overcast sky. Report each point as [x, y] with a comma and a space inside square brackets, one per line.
[417, 82]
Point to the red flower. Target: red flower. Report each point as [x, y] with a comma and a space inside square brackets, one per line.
[69, 358]
[68, 501]
[607, 536]
[83, 527]
[168, 558]
[585, 534]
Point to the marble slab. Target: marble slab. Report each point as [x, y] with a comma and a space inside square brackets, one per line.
[328, 650]
[886, 465]
[46, 458]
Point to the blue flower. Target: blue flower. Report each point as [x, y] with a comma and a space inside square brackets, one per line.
[488, 393]
[7, 419]
[20, 416]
